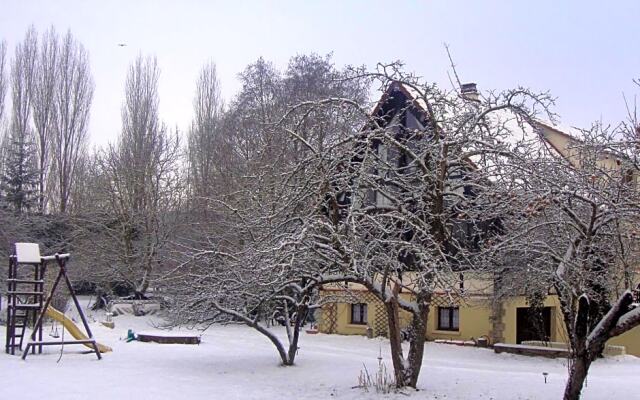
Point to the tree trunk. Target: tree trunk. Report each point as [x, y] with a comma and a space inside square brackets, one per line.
[417, 342]
[142, 286]
[286, 361]
[395, 341]
[301, 314]
[577, 376]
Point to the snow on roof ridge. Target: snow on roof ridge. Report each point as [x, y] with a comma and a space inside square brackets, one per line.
[527, 131]
[570, 131]
[565, 129]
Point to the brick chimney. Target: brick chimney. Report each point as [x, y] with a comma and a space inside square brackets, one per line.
[469, 91]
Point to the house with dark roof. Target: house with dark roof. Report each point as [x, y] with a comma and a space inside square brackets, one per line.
[351, 309]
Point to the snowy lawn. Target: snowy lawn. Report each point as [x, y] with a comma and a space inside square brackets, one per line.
[235, 362]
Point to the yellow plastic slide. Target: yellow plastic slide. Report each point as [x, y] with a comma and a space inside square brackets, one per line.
[73, 329]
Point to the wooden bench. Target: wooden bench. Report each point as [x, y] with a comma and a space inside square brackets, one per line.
[527, 350]
[168, 338]
[609, 349]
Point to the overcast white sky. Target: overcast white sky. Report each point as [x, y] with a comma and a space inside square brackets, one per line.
[586, 53]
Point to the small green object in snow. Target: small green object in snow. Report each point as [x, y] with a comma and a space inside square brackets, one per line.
[130, 336]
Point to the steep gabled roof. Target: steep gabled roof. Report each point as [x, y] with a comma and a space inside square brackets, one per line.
[544, 135]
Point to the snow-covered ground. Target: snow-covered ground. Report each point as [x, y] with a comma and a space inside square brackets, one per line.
[235, 362]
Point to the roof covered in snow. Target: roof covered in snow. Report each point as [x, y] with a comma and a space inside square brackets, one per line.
[540, 135]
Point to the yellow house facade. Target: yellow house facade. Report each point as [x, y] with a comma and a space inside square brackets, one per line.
[353, 310]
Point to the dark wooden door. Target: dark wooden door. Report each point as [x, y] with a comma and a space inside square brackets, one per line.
[532, 324]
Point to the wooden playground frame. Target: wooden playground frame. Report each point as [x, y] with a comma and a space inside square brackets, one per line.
[30, 300]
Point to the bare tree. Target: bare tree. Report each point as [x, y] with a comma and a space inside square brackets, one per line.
[576, 232]
[395, 207]
[252, 115]
[73, 96]
[23, 70]
[250, 284]
[4, 84]
[142, 183]
[208, 150]
[44, 108]
[310, 77]
[247, 267]
[410, 202]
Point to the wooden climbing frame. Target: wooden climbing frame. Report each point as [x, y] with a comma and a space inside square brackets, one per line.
[29, 254]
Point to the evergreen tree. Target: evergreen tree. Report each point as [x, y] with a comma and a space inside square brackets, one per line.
[20, 176]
